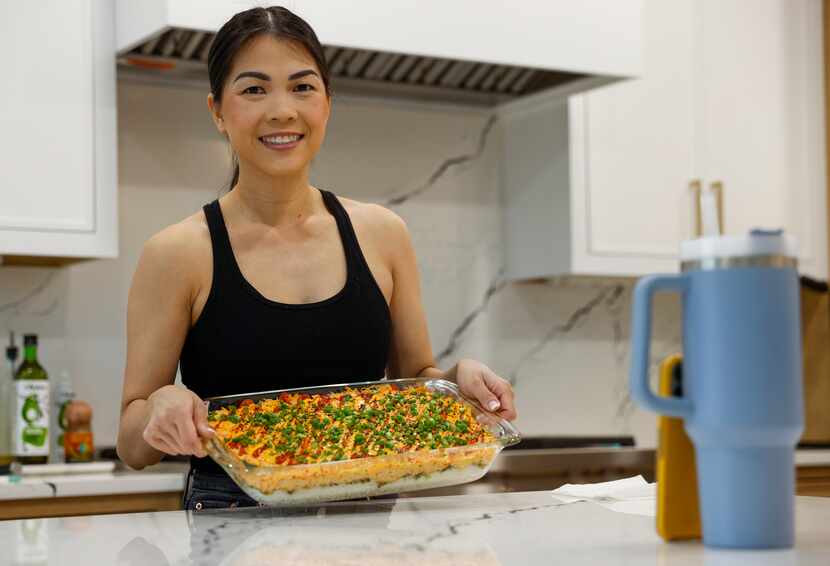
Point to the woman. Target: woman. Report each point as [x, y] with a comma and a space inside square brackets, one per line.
[277, 284]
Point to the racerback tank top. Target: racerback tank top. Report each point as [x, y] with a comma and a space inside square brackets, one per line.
[244, 342]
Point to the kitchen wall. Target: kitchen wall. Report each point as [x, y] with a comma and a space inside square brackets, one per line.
[563, 342]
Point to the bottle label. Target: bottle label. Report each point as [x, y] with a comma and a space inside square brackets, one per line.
[31, 418]
[78, 446]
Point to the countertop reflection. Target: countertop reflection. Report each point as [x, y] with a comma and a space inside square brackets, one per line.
[487, 529]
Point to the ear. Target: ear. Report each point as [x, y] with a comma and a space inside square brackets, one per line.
[215, 113]
[328, 108]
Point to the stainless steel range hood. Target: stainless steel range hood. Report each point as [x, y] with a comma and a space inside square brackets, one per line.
[483, 53]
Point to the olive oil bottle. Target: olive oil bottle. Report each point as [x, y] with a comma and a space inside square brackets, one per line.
[31, 407]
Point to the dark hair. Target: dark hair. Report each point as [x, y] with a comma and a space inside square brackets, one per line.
[275, 21]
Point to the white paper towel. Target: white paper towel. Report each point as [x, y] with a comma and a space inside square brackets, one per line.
[630, 495]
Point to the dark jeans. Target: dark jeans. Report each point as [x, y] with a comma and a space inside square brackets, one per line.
[205, 490]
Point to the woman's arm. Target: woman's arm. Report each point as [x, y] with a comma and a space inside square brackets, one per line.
[156, 416]
[411, 352]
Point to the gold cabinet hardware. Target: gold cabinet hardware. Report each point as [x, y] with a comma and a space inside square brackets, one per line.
[717, 188]
[695, 186]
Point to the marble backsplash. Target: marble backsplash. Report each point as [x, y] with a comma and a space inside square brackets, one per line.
[563, 342]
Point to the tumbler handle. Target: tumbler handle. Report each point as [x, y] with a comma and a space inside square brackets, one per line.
[641, 345]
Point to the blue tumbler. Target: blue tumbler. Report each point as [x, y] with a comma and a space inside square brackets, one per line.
[742, 395]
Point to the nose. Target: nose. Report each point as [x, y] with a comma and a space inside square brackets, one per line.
[281, 109]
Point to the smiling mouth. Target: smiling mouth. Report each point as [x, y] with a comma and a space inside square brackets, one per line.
[281, 142]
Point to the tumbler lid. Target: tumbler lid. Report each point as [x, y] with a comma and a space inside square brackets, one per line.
[759, 248]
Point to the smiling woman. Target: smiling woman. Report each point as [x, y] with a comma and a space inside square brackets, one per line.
[277, 284]
[284, 75]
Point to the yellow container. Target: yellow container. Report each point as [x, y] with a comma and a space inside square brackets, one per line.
[678, 512]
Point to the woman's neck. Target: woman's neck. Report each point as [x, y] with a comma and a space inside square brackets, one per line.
[273, 201]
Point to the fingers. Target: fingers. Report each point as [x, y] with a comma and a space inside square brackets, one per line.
[174, 428]
[188, 437]
[501, 388]
[200, 415]
[478, 388]
[201, 428]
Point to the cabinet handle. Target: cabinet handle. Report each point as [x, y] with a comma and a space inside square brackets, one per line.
[696, 187]
[717, 188]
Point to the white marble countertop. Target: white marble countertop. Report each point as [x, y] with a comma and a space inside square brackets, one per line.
[78, 485]
[506, 528]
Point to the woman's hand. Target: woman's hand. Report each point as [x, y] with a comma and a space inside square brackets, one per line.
[476, 380]
[177, 421]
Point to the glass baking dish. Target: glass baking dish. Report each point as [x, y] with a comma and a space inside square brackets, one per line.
[286, 484]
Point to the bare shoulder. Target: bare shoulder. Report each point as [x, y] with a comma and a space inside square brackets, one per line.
[181, 240]
[180, 251]
[376, 220]
[384, 233]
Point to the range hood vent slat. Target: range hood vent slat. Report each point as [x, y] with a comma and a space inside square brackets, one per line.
[332, 53]
[492, 77]
[400, 71]
[417, 72]
[192, 44]
[171, 42]
[393, 63]
[437, 71]
[148, 47]
[341, 61]
[379, 65]
[473, 80]
[359, 62]
[508, 78]
[456, 73]
[204, 49]
[522, 80]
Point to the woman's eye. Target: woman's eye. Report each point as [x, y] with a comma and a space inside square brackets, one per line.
[304, 87]
[248, 90]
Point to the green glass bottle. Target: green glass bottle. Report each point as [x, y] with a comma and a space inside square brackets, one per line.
[31, 415]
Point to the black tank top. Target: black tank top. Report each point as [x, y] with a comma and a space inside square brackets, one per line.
[244, 342]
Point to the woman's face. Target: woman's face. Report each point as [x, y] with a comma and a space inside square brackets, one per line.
[274, 107]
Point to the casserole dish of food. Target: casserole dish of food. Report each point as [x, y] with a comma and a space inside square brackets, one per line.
[354, 440]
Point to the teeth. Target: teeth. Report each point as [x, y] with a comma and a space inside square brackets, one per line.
[275, 140]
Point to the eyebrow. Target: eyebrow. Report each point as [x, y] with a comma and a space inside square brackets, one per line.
[264, 77]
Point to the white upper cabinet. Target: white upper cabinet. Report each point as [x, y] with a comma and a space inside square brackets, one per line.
[733, 93]
[633, 154]
[58, 116]
[762, 118]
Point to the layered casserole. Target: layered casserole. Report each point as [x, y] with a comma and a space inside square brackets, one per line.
[375, 439]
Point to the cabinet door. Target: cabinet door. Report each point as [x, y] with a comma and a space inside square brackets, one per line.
[762, 118]
[632, 148]
[56, 102]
